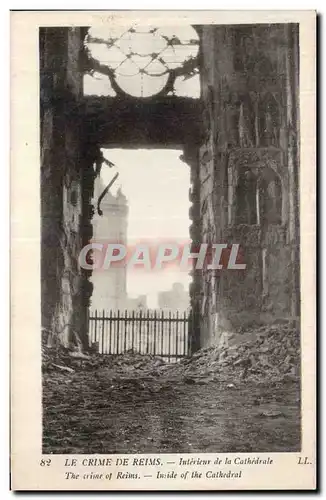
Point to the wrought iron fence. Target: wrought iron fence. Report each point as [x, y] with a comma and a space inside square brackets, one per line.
[159, 333]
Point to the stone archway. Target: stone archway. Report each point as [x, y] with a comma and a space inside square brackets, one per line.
[213, 132]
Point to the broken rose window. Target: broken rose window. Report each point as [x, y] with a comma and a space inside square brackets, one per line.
[142, 61]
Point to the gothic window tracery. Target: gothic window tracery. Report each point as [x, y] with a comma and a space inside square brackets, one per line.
[142, 61]
[258, 197]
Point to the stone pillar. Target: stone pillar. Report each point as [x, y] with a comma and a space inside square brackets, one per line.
[190, 157]
[61, 184]
[250, 98]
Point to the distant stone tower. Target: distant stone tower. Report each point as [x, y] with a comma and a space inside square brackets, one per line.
[110, 286]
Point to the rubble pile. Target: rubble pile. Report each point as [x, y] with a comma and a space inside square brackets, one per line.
[266, 353]
[59, 358]
[132, 366]
[123, 365]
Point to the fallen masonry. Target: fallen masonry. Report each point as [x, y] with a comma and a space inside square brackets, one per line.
[269, 353]
[140, 403]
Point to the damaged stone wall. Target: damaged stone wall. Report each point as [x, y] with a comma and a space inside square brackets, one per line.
[62, 196]
[244, 173]
[248, 174]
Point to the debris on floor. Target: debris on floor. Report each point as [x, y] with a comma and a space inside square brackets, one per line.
[241, 396]
[266, 353]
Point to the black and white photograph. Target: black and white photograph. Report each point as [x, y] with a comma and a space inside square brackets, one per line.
[172, 237]
[165, 149]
